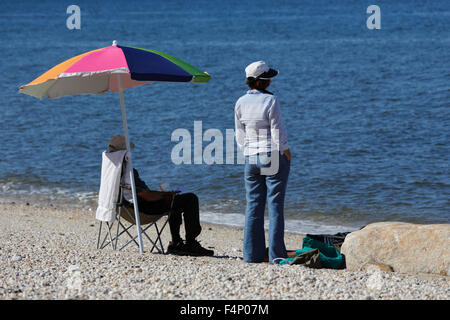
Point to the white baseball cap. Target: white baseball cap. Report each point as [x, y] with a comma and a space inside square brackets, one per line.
[260, 70]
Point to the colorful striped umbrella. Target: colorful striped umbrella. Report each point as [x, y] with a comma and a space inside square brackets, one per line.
[97, 71]
[114, 68]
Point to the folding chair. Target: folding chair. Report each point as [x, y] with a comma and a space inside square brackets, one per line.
[126, 212]
[125, 220]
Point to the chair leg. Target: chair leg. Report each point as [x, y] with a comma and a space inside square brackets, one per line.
[110, 236]
[159, 237]
[99, 235]
[118, 224]
[161, 231]
[153, 243]
[125, 230]
[101, 245]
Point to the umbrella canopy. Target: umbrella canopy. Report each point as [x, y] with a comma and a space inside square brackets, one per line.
[114, 68]
[96, 71]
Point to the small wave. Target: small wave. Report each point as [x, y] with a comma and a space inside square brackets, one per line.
[291, 225]
[37, 191]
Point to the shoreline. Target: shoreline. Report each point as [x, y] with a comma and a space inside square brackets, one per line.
[295, 226]
[50, 253]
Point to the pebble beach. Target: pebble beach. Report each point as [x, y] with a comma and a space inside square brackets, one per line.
[50, 253]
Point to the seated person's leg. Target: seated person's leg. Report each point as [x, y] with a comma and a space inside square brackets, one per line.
[187, 204]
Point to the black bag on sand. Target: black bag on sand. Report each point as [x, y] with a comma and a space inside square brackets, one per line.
[335, 240]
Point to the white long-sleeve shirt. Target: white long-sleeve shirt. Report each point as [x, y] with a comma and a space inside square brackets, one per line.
[258, 124]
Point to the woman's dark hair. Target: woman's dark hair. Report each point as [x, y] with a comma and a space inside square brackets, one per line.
[258, 84]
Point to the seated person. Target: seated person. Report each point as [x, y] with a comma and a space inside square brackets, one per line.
[158, 202]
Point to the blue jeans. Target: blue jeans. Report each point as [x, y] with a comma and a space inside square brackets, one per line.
[260, 188]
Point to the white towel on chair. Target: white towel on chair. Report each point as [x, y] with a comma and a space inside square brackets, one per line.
[109, 185]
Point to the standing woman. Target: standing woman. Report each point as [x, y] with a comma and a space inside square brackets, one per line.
[260, 132]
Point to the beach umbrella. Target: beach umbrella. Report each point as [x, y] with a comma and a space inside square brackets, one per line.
[114, 68]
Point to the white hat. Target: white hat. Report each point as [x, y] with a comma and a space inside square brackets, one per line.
[260, 70]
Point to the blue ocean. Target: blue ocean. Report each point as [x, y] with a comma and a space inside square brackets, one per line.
[367, 111]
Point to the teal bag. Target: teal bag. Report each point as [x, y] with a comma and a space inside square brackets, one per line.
[330, 257]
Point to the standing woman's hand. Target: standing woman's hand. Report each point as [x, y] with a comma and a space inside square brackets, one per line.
[287, 153]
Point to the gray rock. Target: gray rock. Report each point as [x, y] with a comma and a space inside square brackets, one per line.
[402, 247]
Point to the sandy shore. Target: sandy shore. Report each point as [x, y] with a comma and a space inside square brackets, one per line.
[50, 253]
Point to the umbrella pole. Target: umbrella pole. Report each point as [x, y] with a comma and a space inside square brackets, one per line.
[133, 185]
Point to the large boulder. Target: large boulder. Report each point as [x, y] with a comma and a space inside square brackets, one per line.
[400, 247]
